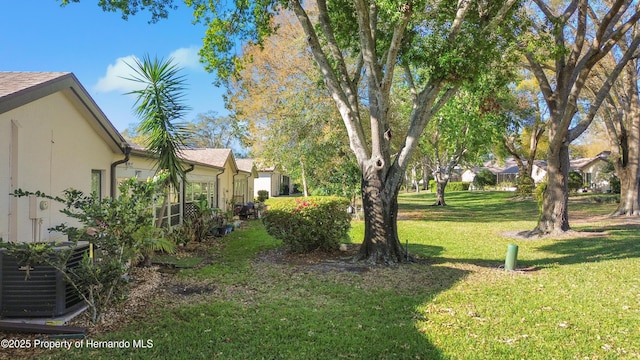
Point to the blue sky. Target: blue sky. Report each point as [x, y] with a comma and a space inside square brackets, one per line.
[81, 38]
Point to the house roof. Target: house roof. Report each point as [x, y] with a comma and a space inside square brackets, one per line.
[20, 88]
[579, 164]
[214, 157]
[510, 166]
[139, 150]
[247, 166]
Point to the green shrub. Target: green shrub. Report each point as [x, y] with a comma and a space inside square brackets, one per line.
[484, 178]
[614, 182]
[605, 198]
[538, 193]
[525, 185]
[451, 186]
[263, 195]
[308, 224]
[457, 186]
[121, 231]
[575, 181]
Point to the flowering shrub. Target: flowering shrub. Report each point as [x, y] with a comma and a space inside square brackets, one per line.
[310, 223]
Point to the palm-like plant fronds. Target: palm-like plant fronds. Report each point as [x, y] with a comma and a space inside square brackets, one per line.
[160, 107]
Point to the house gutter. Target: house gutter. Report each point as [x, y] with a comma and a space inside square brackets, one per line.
[127, 153]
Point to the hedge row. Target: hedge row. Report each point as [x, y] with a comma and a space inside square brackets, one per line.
[451, 186]
[310, 223]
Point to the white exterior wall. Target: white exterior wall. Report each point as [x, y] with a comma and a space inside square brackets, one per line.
[263, 182]
[225, 185]
[598, 181]
[137, 166]
[538, 174]
[468, 176]
[50, 147]
[269, 181]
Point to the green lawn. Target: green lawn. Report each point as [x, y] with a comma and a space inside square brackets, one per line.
[576, 298]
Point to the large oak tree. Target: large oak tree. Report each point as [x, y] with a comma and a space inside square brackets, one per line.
[439, 43]
[568, 40]
[621, 117]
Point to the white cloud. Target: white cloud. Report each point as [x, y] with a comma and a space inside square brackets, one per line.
[116, 76]
[187, 58]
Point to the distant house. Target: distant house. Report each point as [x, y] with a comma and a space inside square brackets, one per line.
[201, 182]
[246, 183]
[235, 183]
[272, 180]
[53, 137]
[592, 170]
[507, 171]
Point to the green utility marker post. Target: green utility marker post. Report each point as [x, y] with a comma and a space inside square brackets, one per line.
[512, 256]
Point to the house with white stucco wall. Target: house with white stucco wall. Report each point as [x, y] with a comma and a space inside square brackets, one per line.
[53, 137]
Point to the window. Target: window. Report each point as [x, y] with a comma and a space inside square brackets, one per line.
[96, 183]
[168, 207]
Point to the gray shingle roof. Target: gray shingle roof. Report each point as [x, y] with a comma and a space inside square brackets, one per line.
[215, 157]
[12, 83]
[245, 165]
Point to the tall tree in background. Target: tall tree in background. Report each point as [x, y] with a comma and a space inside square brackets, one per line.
[290, 117]
[159, 105]
[567, 41]
[440, 44]
[217, 132]
[621, 116]
[461, 131]
[523, 136]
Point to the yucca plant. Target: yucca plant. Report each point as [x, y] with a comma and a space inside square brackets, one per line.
[159, 105]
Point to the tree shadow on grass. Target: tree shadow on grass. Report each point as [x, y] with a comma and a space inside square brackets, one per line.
[477, 207]
[609, 243]
[593, 244]
[430, 254]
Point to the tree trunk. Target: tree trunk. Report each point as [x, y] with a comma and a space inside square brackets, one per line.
[425, 176]
[627, 155]
[629, 186]
[380, 203]
[305, 187]
[442, 179]
[441, 184]
[163, 209]
[627, 167]
[555, 213]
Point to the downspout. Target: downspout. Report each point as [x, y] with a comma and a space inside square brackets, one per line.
[233, 186]
[184, 189]
[127, 153]
[218, 189]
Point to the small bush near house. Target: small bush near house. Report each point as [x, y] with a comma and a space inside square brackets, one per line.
[614, 182]
[484, 178]
[263, 195]
[308, 224]
[538, 193]
[575, 181]
[451, 186]
[121, 231]
[525, 186]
